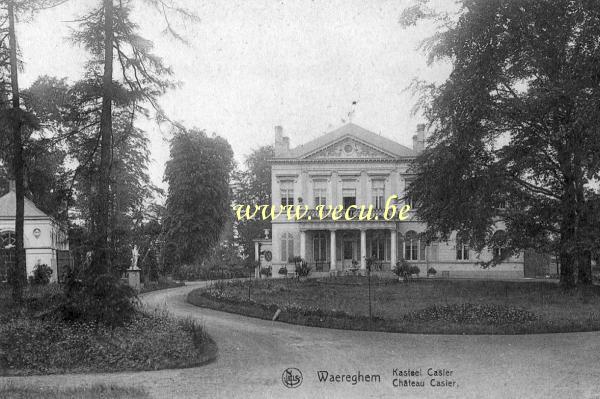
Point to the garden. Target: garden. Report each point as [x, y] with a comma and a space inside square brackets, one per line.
[426, 305]
[100, 328]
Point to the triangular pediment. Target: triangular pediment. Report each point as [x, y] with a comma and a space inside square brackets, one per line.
[363, 143]
[349, 148]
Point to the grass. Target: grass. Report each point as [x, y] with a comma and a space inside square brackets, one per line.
[33, 344]
[96, 391]
[432, 306]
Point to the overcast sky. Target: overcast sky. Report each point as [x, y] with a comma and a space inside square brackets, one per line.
[251, 65]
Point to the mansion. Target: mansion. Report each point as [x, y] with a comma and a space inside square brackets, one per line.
[353, 166]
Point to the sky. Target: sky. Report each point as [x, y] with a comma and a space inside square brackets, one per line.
[251, 65]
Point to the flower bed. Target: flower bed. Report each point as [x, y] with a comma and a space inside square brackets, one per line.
[34, 341]
[469, 313]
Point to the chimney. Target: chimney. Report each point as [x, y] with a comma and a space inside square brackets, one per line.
[282, 144]
[419, 138]
[12, 185]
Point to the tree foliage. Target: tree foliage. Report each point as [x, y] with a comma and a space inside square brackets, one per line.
[516, 121]
[252, 185]
[197, 208]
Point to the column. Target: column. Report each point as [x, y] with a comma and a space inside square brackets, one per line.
[303, 244]
[363, 249]
[332, 250]
[393, 249]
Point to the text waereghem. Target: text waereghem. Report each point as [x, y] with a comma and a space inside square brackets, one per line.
[353, 379]
[297, 212]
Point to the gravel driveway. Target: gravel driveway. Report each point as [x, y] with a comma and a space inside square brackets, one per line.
[254, 353]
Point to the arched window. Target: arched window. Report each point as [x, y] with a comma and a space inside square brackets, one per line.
[319, 246]
[7, 240]
[7, 253]
[462, 248]
[499, 244]
[411, 246]
[287, 247]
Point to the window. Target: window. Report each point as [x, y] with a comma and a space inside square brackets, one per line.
[349, 197]
[287, 247]
[499, 244]
[287, 192]
[320, 247]
[411, 246]
[378, 189]
[462, 249]
[7, 240]
[320, 192]
[378, 248]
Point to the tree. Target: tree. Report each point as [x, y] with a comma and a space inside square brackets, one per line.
[515, 122]
[197, 207]
[111, 37]
[15, 123]
[253, 186]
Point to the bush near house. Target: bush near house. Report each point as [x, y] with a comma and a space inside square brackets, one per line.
[41, 275]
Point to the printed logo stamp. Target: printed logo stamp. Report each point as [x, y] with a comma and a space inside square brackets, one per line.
[291, 377]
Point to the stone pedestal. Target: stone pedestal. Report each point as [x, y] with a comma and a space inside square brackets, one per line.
[133, 278]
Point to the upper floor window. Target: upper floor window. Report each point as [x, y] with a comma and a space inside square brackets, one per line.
[349, 197]
[287, 247]
[320, 192]
[287, 192]
[378, 191]
[462, 249]
[411, 246]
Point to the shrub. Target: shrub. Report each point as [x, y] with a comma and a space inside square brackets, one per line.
[282, 271]
[41, 275]
[415, 270]
[103, 299]
[266, 271]
[302, 270]
[431, 271]
[403, 269]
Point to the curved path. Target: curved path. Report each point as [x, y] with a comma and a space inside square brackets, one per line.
[253, 354]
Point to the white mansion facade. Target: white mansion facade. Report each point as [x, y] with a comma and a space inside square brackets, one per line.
[353, 166]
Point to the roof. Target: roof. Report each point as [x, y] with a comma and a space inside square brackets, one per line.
[351, 130]
[8, 207]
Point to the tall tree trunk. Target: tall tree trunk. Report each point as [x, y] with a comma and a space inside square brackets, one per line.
[19, 274]
[101, 260]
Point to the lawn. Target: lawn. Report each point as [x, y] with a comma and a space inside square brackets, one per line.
[97, 391]
[34, 342]
[436, 306]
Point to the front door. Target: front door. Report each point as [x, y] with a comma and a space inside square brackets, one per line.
[348, 253]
